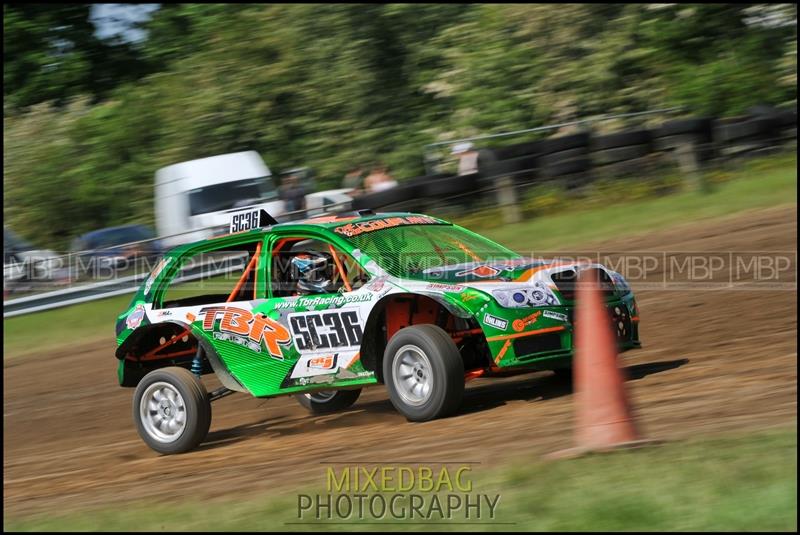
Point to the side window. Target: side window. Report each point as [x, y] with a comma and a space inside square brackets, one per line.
[218, 276]
[302, 266]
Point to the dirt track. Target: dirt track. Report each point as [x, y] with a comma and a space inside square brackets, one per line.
[713, 361]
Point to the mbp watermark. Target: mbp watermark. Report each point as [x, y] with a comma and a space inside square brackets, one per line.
[398, 493]
[692, 270]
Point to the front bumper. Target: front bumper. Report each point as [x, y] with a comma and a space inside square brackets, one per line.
[544, 337]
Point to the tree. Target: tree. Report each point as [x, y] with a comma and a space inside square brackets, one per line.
[50, 53]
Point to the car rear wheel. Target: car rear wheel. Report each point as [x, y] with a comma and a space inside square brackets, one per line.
[172, 410]
[563, 374]
[424, 373]
[328, 401]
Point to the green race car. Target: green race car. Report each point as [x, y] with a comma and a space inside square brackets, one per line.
[324, 307]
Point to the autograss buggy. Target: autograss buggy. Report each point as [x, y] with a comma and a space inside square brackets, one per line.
[321, 308]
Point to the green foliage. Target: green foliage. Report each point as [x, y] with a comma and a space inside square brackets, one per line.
[50, 52]
[87, 122]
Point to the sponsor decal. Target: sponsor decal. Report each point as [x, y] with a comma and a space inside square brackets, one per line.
[554, 315]
[316, 379]
[156, 272]
[468, 297]
[236, 339]
[164, 313]
[444, 287]
[335, 300]
[354, 229]
[309, 366]
[520, 324]
[326, 330]
[484, 272]
[494, 321]
[135, 318]
[325, 362]
[376, 285]
[379, 287]
[243, 327]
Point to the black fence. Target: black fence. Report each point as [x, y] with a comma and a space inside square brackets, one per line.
[574, 160]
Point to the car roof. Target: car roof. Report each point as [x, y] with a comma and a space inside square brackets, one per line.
[324, 222]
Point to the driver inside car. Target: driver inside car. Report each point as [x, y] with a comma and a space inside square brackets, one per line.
[313, 274]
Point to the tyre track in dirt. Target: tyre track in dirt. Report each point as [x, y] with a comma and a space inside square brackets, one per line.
[713, 361]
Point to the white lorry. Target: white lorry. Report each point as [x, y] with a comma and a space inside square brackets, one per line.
[199, 194]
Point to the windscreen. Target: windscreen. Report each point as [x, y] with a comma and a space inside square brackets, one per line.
[228, 195]
[410, 251]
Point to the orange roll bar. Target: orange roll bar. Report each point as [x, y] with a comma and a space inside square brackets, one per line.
[340, 268]
[246, 273]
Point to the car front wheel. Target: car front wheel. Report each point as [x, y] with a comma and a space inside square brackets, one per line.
[423, 372]
[172, 410]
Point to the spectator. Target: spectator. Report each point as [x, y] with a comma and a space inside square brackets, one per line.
[293, 194]
[467, 158]
[379, 179]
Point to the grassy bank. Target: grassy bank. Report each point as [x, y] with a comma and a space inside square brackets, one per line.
[618, 210]
[757, 184]
[731, 483]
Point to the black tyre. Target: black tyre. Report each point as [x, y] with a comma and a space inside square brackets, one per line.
[172, 410]
[747, 129]
[328, 401]
[700, 126]
[510, 167]
[672, 142]
[620, 154]
[557, 144]
[423, 372]
[518, 150]
[442, 188]
[621, 139]
[560, 157]
[569, 167]
[563, 375]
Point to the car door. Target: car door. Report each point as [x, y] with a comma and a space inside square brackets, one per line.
[325, 327]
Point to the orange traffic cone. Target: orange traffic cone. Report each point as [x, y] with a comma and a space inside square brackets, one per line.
[603, 415]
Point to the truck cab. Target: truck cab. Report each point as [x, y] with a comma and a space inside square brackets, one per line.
[199, 194]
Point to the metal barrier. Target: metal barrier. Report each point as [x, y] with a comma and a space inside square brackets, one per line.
[83, 293]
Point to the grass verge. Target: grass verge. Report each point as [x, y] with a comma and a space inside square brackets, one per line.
[615, 211]
[729, 483]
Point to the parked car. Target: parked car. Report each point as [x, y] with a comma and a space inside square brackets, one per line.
[24, 262]
[116, 247]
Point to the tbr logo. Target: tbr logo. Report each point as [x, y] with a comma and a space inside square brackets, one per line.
[323, 331]
[242, 327]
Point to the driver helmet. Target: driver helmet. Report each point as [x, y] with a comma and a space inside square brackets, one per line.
[311, 271]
